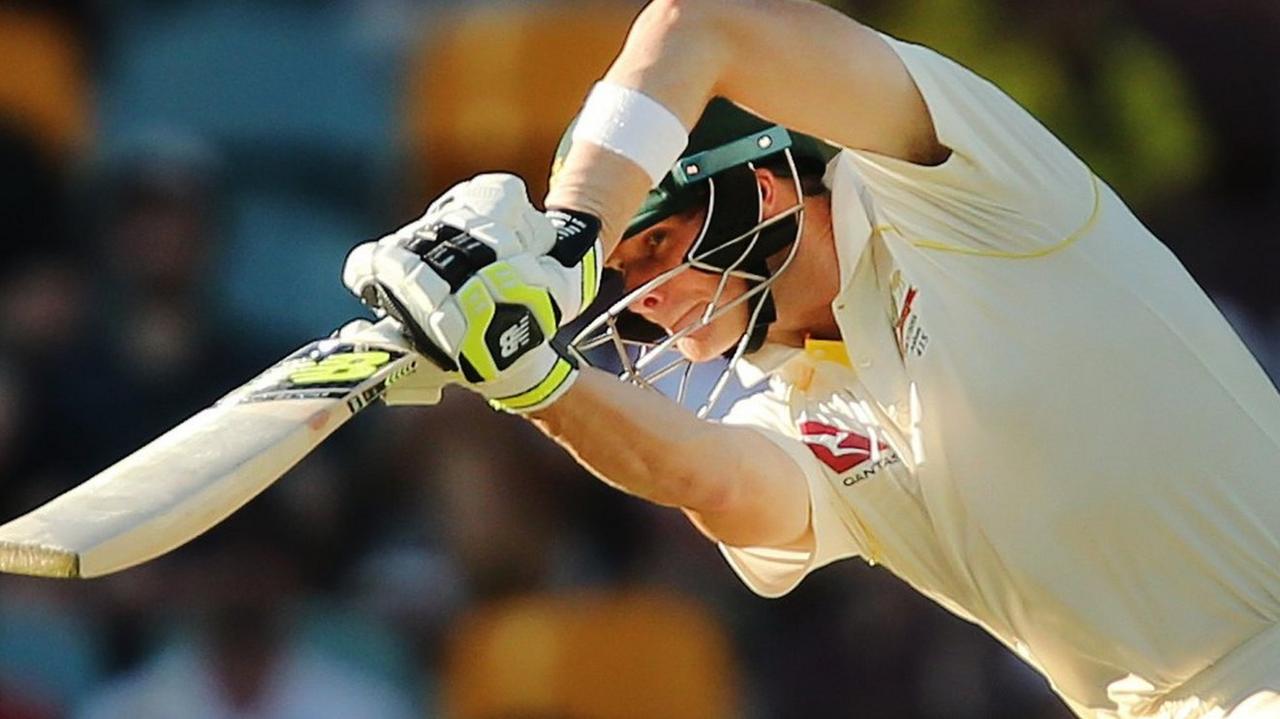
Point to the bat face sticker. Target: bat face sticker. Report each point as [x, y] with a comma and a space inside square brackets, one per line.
[196, 474]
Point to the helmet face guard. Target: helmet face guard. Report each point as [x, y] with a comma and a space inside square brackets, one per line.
[735, 241]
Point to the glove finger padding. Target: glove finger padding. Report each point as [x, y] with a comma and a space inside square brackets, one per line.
[358, 275]
[495, 209]
[411, 281]
[405, 287]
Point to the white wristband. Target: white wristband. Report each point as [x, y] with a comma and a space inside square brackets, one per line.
[629, 123]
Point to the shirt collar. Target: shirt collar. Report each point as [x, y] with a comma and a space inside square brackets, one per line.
[752, 369]
[772, 357]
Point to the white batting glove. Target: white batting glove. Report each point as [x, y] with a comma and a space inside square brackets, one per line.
[502, 347]
[476, 223]
[481, 285]
[423, 386]
[535, 381]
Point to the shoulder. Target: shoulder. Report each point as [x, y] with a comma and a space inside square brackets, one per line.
[1008, 184]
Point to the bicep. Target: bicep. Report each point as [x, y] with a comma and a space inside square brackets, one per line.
[825, 74]
[795, 62]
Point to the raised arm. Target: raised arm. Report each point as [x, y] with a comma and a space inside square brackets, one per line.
[736, 486]
[796, 62]
[484, 278]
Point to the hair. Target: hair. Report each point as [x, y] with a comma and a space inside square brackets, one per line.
[810, 169]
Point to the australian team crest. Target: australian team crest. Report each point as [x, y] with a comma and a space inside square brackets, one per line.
[907, 327]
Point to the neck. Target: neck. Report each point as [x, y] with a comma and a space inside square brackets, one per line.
[803, 293]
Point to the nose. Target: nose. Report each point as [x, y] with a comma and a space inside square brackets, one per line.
[648, 303]
[631, 278]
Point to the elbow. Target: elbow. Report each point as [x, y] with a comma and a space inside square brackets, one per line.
[709, 491]
[681, 12]
[698, 24]
[693, 487]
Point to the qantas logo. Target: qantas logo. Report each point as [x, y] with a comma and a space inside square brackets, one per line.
[839, 449]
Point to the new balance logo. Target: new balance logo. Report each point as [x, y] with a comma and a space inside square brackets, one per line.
[514, 337]
[576, 234]
[566, 225]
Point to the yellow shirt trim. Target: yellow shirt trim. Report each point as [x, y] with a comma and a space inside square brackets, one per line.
[827, 351]
[1067, 242]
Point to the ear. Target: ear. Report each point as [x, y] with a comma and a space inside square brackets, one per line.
[768, 190]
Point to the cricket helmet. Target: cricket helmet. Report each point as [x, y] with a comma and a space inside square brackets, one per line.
[716, 171]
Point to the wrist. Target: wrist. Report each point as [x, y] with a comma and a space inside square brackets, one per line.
[535, 382]
[629, 123]
[578, 249]
[592, 179]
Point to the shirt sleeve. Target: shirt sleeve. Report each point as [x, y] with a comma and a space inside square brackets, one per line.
[1009, 184]
[771, 571]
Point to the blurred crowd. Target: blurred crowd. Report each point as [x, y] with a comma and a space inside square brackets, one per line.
[179, 183]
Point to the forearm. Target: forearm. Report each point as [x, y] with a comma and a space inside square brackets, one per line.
[664, 59]
[669, 57]
[634, 440]
[736, 486]
[598, 182]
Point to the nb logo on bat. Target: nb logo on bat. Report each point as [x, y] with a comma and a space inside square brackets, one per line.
[514, 337]
[341, 368]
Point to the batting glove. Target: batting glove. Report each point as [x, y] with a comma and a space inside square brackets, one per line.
[476, 223]
[481, 284]
[493, 334]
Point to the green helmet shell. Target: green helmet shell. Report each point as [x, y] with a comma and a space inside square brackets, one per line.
[725, 136]
[716, 171]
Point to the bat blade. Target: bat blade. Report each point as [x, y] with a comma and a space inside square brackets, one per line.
[196, 474]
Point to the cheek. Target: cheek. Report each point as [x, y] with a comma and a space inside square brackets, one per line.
[735, 318]
[721, 335]
[733, 289]
[705, 285]
[691, 286]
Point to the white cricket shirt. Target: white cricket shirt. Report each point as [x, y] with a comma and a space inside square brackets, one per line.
[1044, 424]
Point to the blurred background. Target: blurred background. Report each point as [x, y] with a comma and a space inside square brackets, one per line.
[179, 183]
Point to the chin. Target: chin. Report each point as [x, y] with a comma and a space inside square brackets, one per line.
[696, 349]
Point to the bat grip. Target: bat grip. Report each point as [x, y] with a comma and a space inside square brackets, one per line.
[412, 331]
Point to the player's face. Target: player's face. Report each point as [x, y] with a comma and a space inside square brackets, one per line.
[682, 300]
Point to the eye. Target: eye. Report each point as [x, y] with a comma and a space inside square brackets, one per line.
[656, 238]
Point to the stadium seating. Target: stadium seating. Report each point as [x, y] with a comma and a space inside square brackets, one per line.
[497, 88]
[43, 88]
[605, 656]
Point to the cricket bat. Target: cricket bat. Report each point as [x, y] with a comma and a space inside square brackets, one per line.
[196, 474]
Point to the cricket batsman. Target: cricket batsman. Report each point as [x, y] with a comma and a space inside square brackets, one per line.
[977, 367]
